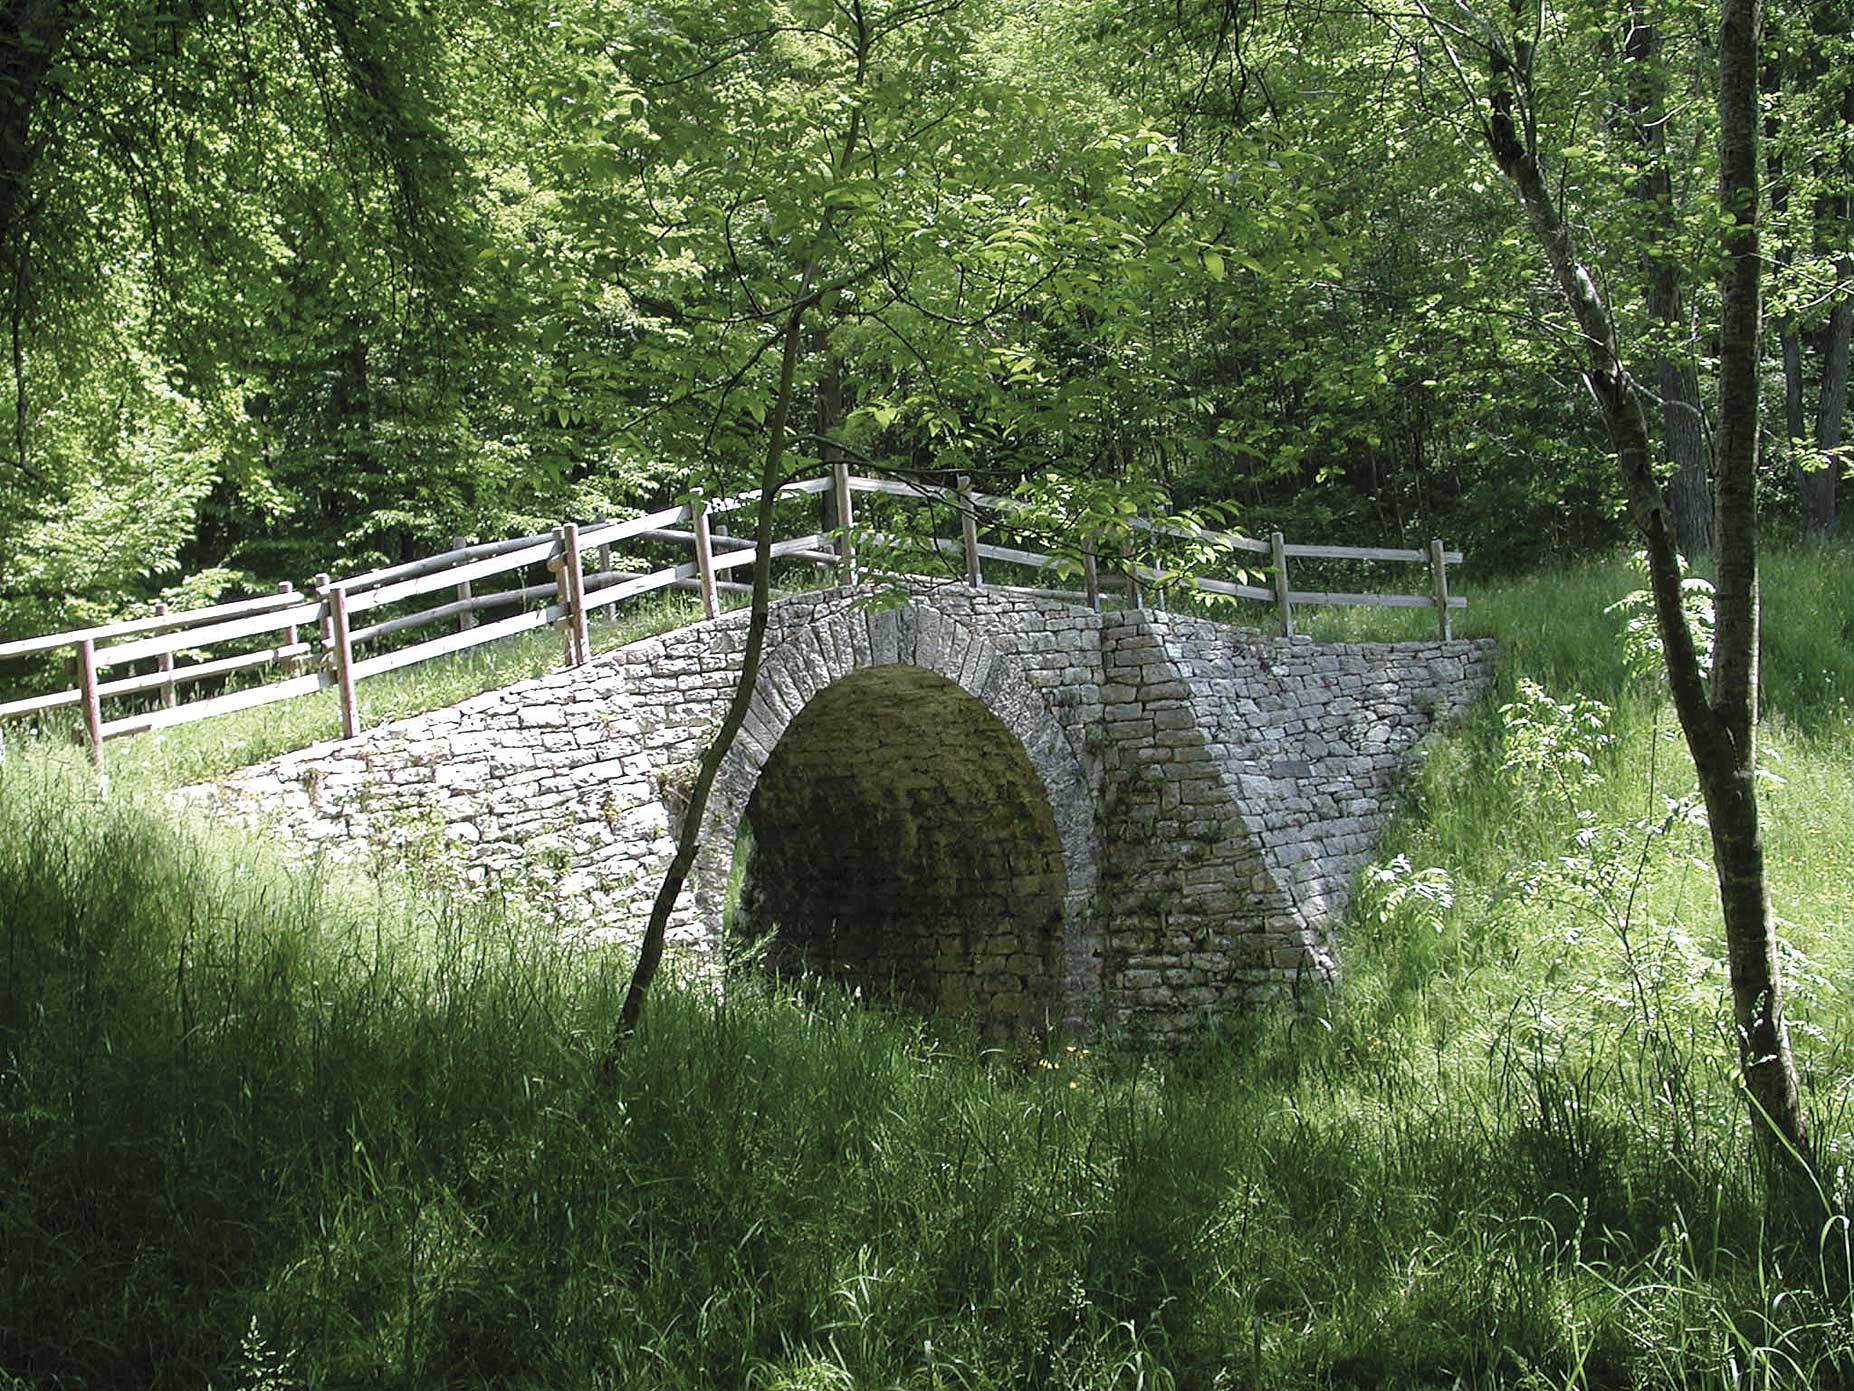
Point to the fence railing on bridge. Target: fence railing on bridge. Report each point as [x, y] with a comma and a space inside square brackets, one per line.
[336, 636]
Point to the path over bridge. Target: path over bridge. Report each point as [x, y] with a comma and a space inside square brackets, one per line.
[1005, 804]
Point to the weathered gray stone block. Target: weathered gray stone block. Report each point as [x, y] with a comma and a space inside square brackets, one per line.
[1007, 807]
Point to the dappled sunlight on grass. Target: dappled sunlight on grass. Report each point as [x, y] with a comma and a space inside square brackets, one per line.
[350, 1132]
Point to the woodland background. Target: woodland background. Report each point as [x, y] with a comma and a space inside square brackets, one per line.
[303, 287]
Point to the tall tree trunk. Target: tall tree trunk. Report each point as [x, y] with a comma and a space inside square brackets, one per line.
[1814, 452]
[351, 422]
[1719, 722]
[829, 419]
[1795, 445]
[1683, 424]
[1727, 755]
[1789, 338]
[1831, 22]
[688, 836]
[1820, 485]
[32, 32]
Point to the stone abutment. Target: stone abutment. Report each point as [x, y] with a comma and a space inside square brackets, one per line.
[1007, 808]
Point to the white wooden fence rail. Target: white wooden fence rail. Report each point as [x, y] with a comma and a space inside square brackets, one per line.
[576, 594]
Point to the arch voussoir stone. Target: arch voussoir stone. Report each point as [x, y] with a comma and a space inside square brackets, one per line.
[1190, 800]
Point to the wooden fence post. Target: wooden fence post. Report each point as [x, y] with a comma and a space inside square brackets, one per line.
[165, 664]
[968, 529]
[93, 702]
[467, 619]
[556, 566]
[846, 547]
[1438, 568]
[324, 624]
[575, 573]
[341, 650]
[559, 564]
[704, 553]
[1091, 576]
[1277, 546]
[291, 637]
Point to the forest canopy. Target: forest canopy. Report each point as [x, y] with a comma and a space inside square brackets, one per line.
[290, 288]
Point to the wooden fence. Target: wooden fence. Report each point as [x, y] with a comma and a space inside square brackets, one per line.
[307, 643]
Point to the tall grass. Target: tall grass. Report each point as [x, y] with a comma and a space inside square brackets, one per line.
[262, 1127]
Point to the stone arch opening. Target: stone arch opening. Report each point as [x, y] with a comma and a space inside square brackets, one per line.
[900, 839]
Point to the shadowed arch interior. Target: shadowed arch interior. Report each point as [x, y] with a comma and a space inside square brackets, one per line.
[901, 840]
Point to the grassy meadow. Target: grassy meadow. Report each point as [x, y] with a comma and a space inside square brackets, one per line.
[267, 1128]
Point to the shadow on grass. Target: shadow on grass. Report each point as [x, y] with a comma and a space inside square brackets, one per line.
[263, 1127]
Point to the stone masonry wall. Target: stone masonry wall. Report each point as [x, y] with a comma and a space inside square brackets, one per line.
[1190, 801]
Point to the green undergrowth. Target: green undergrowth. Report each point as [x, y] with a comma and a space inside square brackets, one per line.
[266, 1127]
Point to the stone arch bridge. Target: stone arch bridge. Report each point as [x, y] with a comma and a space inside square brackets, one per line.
[1010, 807]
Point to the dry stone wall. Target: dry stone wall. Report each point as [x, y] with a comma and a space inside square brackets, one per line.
[1006, 807]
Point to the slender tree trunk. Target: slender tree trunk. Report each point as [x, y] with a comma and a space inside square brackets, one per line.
[1830, 216]
[1789, 339]
[1718, 718]
[1683, 424]
[829, 418]
[32, 32]
[1727, 757]
[1683, 431]
[688, 838]
[1790, 345]
[1820, 486]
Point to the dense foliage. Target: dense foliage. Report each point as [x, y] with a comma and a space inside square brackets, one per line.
[291, 287]
[294, 287]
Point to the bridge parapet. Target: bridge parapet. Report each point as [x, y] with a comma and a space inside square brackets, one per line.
[1179, 806]
[274, 647]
